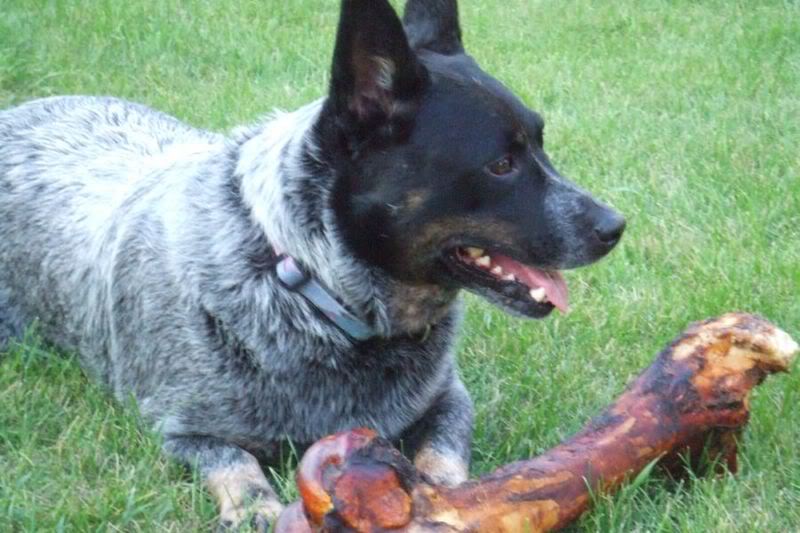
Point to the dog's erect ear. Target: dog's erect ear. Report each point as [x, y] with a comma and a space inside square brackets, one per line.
[376, 74]
[433, 25]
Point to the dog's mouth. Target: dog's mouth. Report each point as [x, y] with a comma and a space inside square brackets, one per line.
[517, 287]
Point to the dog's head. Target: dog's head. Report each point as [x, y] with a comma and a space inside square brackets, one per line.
[442, 176]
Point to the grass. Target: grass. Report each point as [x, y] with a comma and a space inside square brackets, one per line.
[685, 115]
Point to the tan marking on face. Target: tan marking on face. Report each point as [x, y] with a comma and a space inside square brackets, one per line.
[414, 308]
[443, 468]
[432, 236]
[429, 241]
[233, 486]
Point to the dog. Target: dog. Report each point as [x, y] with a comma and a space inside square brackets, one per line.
[299, 277]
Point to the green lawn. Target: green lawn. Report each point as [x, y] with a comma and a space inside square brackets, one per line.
[685, 115]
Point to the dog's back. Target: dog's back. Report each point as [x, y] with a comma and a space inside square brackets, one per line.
[68, 167]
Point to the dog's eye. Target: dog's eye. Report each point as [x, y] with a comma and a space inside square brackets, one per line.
[502, 167]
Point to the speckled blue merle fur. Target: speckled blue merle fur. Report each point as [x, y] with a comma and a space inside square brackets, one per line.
[149, 248]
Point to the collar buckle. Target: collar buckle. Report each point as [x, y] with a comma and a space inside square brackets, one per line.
[290, 274]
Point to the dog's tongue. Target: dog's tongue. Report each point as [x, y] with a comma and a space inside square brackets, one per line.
[552, 282]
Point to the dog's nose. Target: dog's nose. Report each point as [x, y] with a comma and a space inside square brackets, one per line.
[610, 227]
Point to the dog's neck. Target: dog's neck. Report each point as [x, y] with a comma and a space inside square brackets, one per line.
[414, 309]
[287, 187]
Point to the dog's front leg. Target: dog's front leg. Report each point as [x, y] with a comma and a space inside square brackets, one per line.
[234, 478]
[440, 442]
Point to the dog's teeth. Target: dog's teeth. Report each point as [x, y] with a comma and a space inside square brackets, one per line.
[484, 261]
[509, 277]
[497, 271]
[539, 294]
[474, 253]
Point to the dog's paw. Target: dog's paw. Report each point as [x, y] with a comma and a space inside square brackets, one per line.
[442, 468]
[256, 517]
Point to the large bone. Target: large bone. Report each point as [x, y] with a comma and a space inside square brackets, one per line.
[692, 402]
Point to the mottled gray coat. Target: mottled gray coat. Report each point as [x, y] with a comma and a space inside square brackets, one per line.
[147, 247]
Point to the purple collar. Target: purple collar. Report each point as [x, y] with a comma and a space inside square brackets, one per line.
[298, 280]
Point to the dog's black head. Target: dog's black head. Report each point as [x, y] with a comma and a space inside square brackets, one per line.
[442, 174]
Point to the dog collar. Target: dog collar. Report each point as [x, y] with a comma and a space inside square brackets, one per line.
[296, 279]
